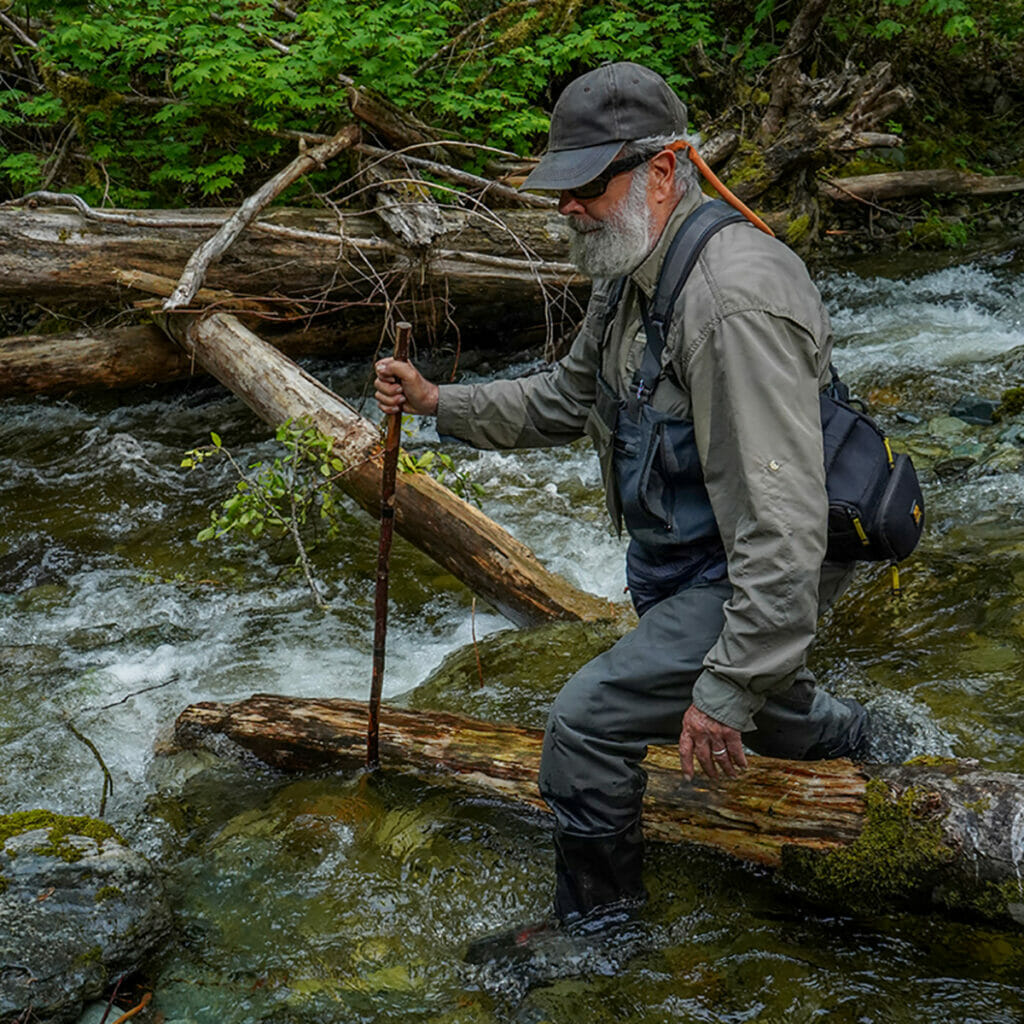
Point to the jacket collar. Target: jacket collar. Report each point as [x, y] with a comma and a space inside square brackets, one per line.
[645, 277]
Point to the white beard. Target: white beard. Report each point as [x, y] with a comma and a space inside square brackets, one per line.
[617, 245]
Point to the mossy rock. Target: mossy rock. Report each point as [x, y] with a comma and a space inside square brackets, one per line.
[104, 910]
[59, 829]
[1011, 404]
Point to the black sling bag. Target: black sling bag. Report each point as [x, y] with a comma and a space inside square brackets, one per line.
[875, 505]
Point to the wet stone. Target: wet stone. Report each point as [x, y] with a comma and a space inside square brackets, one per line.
[947, 427]
[953, 466]
[1014, 434]
[975, 409]
[75, 912]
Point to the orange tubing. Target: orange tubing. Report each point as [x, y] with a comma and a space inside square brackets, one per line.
[733, 201]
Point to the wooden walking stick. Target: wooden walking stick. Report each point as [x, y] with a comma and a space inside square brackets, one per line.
[387, 528]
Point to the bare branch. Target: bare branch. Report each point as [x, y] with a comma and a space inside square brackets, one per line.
[215, 247]
[486, 185]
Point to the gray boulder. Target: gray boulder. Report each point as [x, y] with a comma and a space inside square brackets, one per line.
[77, 909]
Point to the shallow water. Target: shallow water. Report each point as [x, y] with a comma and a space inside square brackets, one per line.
[342, 898]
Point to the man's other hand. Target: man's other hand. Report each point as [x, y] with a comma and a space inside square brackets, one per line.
[400, 387]
[717, 747]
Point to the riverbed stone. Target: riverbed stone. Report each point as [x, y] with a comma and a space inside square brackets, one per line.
[948, 428]
[77, 908]
[974, 409]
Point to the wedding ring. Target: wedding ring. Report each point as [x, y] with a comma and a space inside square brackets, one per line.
[719, 753]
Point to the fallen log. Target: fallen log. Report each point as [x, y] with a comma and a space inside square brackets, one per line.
[946, 834]
[478, 260]
[826, 116]
[127, 357]
[455, 534]
[907, 184]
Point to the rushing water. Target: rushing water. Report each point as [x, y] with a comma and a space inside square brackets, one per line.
[342, 898]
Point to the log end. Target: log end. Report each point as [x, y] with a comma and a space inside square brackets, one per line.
[934, 835]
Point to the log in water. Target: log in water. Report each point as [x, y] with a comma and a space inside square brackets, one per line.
[942, 833]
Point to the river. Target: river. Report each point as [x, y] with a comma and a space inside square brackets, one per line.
[341, 899]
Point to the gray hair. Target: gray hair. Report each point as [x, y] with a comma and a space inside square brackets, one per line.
[687, 175]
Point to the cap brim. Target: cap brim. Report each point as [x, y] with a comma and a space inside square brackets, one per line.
[570, 168]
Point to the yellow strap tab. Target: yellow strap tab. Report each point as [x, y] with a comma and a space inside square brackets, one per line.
[895, 573]
[860, 531]
[888, 453]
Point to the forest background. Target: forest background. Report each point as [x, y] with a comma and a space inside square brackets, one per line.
[166, 103]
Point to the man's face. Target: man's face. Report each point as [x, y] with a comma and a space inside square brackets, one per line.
[612, 233]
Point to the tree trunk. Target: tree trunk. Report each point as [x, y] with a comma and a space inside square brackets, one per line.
[479, 259]
[455, 534]
[905, 184]
[786, 77]
[127, 357]
[868, 836]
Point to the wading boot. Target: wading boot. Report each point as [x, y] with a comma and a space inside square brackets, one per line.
[598, 888]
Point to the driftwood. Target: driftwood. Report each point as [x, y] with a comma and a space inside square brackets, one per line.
[214, 247]
[906, 184]
[827, 116]
[455, 534]
[126, 357]
[490, 269]
[482, 186]
[872, 836]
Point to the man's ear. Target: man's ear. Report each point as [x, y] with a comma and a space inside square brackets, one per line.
[661, 178]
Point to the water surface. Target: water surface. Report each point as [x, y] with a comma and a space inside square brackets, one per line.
[342, 898]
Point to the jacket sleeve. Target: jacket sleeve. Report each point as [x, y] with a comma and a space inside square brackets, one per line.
[539, 411]
[753, 383]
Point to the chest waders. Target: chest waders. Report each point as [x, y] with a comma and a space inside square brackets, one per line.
[635, 694]
[658, 486]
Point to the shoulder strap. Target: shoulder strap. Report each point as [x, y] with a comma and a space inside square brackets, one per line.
[682, 255]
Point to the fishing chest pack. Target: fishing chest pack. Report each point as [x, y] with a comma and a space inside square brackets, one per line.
[875, 506]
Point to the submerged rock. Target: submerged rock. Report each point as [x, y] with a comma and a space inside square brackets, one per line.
[975, 409]
[77, 908]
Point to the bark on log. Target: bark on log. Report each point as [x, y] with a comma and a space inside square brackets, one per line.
[479, 261]
[455, 534]
[906, 184]
[127, 357]
[947, 834]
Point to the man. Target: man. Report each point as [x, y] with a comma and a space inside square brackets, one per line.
[715, 465]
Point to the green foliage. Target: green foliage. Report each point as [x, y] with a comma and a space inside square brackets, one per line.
[180, 101]
[190, 102]
[937, 231]
[291, 495]
[441, 466]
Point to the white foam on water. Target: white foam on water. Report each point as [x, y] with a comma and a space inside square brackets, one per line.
[182, 642]
[947, 318]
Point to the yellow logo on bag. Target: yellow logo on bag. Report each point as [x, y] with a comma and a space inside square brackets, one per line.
[917, 512]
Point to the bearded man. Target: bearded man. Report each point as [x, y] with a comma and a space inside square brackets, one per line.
[712, 455]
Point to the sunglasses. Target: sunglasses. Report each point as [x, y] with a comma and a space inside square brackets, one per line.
[597, 186]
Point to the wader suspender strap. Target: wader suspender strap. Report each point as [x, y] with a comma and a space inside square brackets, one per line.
[685, 248]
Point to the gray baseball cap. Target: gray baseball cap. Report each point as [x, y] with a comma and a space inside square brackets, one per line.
[596, 114]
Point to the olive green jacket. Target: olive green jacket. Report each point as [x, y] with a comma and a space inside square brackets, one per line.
[749, 347]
